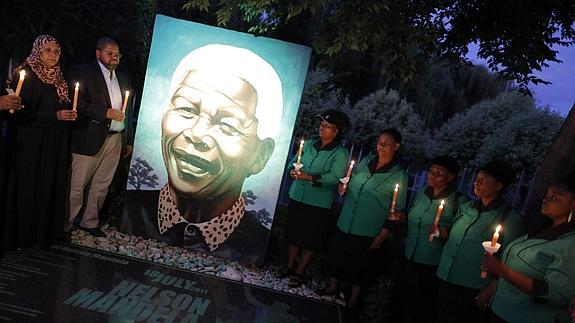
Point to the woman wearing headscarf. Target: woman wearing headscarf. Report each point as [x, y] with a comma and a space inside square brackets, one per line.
[362, 228]
[463, 295]
[37, 188]
[536, 274]
[422, 252]
[312, 192]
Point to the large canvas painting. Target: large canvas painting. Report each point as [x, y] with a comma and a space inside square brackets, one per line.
[214, 130]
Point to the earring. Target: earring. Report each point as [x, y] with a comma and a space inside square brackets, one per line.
[570, 217]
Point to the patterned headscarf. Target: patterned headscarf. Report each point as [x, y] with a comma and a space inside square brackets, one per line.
[47, 74]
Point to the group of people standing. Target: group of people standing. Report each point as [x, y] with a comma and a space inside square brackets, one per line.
[57, 163]
[530, 279]
[60, 146]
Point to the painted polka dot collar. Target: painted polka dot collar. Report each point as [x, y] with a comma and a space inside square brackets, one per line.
[215, 232]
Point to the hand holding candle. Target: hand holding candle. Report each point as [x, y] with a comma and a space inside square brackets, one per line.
[436, 220]
[346, 179]
[491, 247]
[75, 103]
[19, 86]
[126, 96]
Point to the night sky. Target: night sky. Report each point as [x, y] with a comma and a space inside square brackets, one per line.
[560, 94]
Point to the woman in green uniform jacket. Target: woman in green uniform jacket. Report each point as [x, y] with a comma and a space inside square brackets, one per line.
[362, 227]
[312, 192]
[537, 272]
[463, 294]
[422, 256]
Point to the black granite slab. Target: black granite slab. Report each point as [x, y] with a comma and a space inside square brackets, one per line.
[70, 283]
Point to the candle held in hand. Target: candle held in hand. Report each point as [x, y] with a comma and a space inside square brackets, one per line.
[300, 152]
[19, 86]
[350, 169]
[20, 82]
[495, 236]
[76, 89]
[437, 216]
[126, 96]
[394, 200]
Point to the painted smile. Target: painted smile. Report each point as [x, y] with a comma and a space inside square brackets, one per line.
[195, 165]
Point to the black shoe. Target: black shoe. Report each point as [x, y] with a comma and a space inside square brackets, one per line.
[285, 273]
[96, 232]
[296, 280]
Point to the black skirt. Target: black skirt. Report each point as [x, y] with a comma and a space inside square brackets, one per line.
[350, 259]
[307, 226]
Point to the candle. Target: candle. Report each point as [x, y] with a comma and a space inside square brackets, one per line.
[491, 248]
[125, 101]
[300, 152]
[495, 236]
[350, 169]
[437, 216]
[20, 82]
[76, 89]
[19, 86]
[394, 200]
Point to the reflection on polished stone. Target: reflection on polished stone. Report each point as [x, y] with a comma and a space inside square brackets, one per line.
[69, 283]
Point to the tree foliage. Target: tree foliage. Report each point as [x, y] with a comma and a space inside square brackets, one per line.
[386, 109]
[467, 133]
[402, 35]
[319, 94]
[522, 141]
[438, 92]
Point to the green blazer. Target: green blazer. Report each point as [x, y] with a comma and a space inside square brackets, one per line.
[460, 262]
[369, 195]
[421, 216]
[326, 165]
[548, 258]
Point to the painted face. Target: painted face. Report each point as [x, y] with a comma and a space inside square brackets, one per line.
[50, 54]
[438, 176]
[558, 202]
[386, 146]
[486, 185]
[109, 56]
[209, 134]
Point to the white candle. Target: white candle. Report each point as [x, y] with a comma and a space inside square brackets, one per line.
[300, 152]
[394, 200]
[20, 82]
[76, 89]
[125, 101]
[495, 236]
[19, 86]
[350, 169]
[437, 216]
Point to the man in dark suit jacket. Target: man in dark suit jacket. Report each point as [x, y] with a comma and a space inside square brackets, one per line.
[102, 131]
